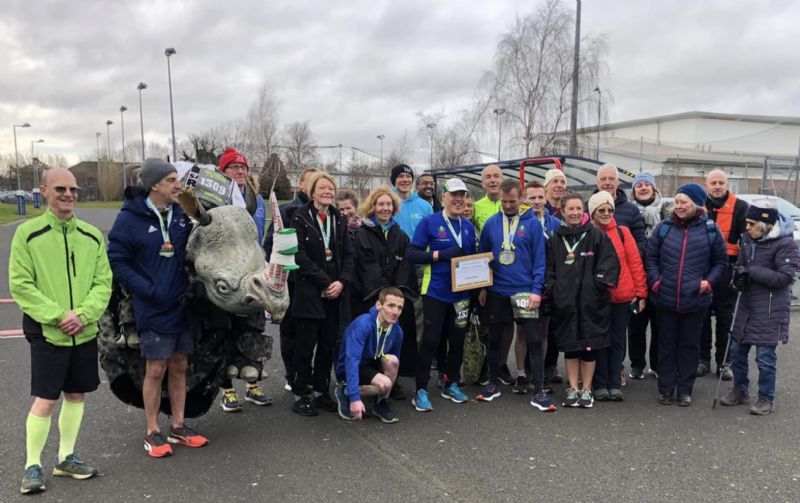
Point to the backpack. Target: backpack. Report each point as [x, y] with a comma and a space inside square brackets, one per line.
[711, 230]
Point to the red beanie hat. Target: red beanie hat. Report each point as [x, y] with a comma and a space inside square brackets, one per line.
[230, 156]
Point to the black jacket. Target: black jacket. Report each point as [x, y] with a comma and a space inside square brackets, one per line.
[627, 214]
[315, 273]
[580, 292]
[380, 262]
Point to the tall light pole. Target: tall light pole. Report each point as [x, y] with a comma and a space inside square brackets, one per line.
[33, 167]
[169, 51]
[498, 112]
[122, 110]
[16, 154]
[140, 87]
[381, 137]
[573, 119]
[599, 104]
[431, 126]
[97, 136]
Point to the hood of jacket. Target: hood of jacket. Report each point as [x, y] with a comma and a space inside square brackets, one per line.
[783, 227]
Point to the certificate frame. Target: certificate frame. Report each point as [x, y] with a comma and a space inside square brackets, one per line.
[471, 272]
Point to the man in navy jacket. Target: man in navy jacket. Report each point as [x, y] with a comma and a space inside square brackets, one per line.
[369, 358]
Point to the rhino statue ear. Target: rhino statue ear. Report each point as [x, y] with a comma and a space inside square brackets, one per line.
[192, 207]
[251, 196]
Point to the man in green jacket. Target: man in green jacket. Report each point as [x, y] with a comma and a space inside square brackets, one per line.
[61, 280]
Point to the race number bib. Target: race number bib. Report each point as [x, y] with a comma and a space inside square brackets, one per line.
[462, 313]
[519, 303]
[211, 187]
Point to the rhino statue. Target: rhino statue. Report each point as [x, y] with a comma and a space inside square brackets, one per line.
[230, 288]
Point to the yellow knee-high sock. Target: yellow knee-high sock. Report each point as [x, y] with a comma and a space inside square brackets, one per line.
[69, 423]
[36, 431]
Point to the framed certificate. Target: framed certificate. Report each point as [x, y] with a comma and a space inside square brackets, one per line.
[471, 271]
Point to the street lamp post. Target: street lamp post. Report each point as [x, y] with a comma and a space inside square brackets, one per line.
[381, 137]
[97, 136]
[122, 110]
[33, 166]
[20, 195]
[431, 126]
[498, 112]
[599, 104]
[169, 51]
[108, 138]
[140, 87]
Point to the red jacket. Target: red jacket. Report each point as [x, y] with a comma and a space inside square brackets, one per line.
[632, 279]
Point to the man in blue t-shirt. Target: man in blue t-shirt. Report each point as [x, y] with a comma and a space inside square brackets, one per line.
[438, 239]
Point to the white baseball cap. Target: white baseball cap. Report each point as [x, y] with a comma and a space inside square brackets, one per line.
[455, 185]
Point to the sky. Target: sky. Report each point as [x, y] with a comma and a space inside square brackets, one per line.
[357, 69]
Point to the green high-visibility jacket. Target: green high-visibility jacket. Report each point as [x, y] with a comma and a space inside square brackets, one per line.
[58, 265]
[484, 209]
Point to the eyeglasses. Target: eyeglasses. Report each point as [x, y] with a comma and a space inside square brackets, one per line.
[605, 211]
[60, 190]
[237, 168]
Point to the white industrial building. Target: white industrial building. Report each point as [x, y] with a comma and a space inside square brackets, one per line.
[685, 147]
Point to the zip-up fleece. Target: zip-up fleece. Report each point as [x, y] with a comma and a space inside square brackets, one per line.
[55, 266]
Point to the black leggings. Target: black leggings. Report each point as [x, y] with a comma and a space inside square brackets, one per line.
[535, 360]
[585, 356]
[440, 320]
[322, 335]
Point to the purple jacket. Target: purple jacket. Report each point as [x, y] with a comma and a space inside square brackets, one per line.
[772, 261]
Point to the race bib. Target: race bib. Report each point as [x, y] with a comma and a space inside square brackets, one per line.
[462, 313]
[519, 303]
[211, 187]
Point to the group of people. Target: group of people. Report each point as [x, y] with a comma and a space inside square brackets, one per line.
[373, 297]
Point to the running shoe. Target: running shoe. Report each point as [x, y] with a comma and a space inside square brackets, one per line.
[156, 446]
[602, 394]
[343, 402]
[521, 386]
[382, 411]
[571, 399]
[230, 401]
[421, 401]
[325, 402]
[74, 467]
[33, 480]
[186, 436]
[615, 395]
[504, 376]
[452, 392]
[636, 373]
[489, 393]
[542, 401]
[586, 400]
[256, 395]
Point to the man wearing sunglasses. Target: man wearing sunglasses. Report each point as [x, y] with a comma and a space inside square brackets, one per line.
[60, 278]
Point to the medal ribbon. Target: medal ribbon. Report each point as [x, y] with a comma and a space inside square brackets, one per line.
[456, 237]
[325, 230]
[571, 249]
[379, 352]
[509, 231]
[164, 229]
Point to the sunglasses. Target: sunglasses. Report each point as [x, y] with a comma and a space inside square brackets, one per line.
[605, 211]
[61, 190]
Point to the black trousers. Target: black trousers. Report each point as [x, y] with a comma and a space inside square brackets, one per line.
[322, 335]
[609, 360]
[288, 333]
[440, 320]
[637, 338]
[678, 347]
[551, 355]
[535, 359]
[721, 309]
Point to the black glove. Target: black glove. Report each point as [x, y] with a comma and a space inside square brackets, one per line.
[740, 277]
[450, 253]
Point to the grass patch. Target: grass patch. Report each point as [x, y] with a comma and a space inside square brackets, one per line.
[8, 212]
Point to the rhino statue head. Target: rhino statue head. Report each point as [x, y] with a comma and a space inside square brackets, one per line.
[227, 259]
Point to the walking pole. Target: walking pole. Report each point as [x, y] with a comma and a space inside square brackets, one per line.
[727, 348]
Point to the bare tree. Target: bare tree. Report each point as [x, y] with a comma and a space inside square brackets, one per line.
[532, 75]
[298, 142]
[262, 126]
[401, 153]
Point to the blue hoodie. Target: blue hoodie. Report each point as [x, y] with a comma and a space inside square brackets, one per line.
[157, 284]
[527, 272]
[360, 346]
[412, 211]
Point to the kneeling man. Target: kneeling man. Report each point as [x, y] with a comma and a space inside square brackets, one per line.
[369, 358]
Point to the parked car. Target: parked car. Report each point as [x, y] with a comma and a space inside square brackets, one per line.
[784, 207]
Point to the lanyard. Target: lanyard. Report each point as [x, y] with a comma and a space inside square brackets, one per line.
[456, 237]
[379, 352]
[509, 231]
[325, 230]
[571, 249]
[164, 229]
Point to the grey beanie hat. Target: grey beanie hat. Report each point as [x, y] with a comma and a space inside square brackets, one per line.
[153, 170]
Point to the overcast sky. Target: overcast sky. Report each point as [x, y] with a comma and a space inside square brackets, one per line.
[356, 69]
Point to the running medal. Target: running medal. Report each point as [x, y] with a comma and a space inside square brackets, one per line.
[325, 229]
[167, 249]
[507, 255]
[570, 259]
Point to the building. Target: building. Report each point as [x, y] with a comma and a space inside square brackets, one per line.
[109, 173]
[759, 152]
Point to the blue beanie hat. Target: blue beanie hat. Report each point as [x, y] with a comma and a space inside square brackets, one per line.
[694, 192]
[644, 176]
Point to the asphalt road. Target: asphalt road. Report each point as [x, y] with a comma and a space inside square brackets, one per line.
[636, 450]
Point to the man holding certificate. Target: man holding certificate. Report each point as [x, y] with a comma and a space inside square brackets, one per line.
[517, 243]
[438, 239]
